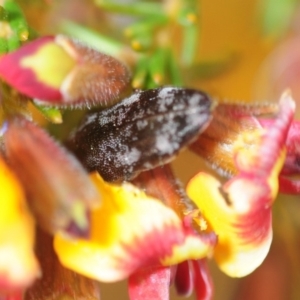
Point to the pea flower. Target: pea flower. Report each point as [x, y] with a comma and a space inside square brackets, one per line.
[239, 211]
[135, 231]
[187, 276]
[229, 122]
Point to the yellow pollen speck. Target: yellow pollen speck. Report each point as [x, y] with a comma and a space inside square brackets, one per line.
[158, 78]
[137, 83]
[192, 18]
[23, 36]
[202, 224]
[136, 45]
[200, 221]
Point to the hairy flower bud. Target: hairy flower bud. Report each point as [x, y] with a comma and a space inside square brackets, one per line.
[60, 71]
[59, 191]
[229, 122]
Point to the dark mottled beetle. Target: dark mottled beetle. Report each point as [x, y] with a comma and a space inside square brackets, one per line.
[141, 132]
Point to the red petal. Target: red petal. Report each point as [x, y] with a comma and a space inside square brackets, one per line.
[24, 79]
[150, 284]
[203, 281]
[17, 295]
[278, 133]
[289, 186]
[184, 280]
[292, 161]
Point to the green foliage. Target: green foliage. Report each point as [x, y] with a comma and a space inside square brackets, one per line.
[152, 36]
[276, 16]
[14, 26]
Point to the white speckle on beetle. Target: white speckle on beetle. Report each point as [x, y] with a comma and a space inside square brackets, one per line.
[141, 124]
[164, 92]
[163, 144]
[129, 157]
[195, 100]
[90, 119]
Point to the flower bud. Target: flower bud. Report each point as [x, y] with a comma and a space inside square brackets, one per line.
[59, 191]
[60, 71]
[229, 122]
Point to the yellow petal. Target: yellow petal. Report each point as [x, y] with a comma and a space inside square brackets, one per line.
[18, 266]
[193, 247]
[241, 219]
[130, 230]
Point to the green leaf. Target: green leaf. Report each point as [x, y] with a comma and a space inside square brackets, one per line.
[137, 8]
[146, 26]
[175, 72]
[275, 16]
[92, 38]
[17, 28]
[52, 114]
[140, 73]
[3, 14]
[142, 43]
[157, 66]
[189, 44]
[3, 45]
